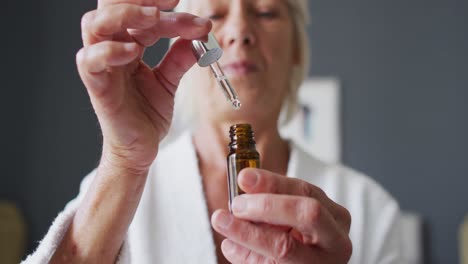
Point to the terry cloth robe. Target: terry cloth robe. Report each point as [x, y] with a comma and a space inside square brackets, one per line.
[172, 225]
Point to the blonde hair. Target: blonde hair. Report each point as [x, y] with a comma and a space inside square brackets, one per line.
[185, 109]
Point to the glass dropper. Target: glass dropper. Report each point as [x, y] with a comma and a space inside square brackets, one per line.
[225, 85]
[207, 54]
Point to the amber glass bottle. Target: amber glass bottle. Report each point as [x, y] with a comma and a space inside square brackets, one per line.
[242, 154]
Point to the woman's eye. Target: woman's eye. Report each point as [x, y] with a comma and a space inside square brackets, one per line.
[215, 17]
[267, 14]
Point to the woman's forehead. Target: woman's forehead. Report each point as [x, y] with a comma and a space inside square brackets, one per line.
[197, 5]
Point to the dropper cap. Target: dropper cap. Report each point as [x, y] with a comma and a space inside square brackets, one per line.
[207, 52]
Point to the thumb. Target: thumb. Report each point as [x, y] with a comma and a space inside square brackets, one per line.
[177, 61]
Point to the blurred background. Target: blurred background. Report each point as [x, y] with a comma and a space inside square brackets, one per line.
[403, 72]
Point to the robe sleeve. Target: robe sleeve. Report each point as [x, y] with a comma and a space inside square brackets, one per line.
[389, 235]
[59, 227]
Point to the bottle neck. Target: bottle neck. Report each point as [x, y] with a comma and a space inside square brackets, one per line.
[242, 137]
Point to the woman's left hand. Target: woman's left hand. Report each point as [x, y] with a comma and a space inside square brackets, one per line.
[302, 225]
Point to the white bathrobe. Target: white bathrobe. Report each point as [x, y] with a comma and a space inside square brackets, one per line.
[172, 224]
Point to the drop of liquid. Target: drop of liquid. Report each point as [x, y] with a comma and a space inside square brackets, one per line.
[236, 104]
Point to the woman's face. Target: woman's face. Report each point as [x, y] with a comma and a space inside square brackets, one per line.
[257, 37]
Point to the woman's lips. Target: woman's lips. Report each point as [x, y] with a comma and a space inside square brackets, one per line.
[239, 68]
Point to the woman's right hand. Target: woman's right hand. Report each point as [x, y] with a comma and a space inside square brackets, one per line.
[134, 106]
[133, 102]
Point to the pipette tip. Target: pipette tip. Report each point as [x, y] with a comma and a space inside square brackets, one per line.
[236, 104]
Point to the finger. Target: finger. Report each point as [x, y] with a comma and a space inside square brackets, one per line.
[262, 181]
[177, 61]
[172, 25]
[253, 180]
[162, 4]
[264, 240]
[236, 253]
[104, 24]
[146, 38]
[97, 58]
[165, 24]
[304, 214]
[93, 61]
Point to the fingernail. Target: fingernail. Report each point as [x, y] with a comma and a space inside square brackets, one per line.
[199, 21]
[223, 220]
[239, 204]
[227, 246]
[148, 11]
[249, 179]
[130, 47]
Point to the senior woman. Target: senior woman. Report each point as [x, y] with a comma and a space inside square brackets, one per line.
[156, 203]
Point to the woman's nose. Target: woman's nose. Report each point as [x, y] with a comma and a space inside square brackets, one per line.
[239, 31]
[243, 38]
